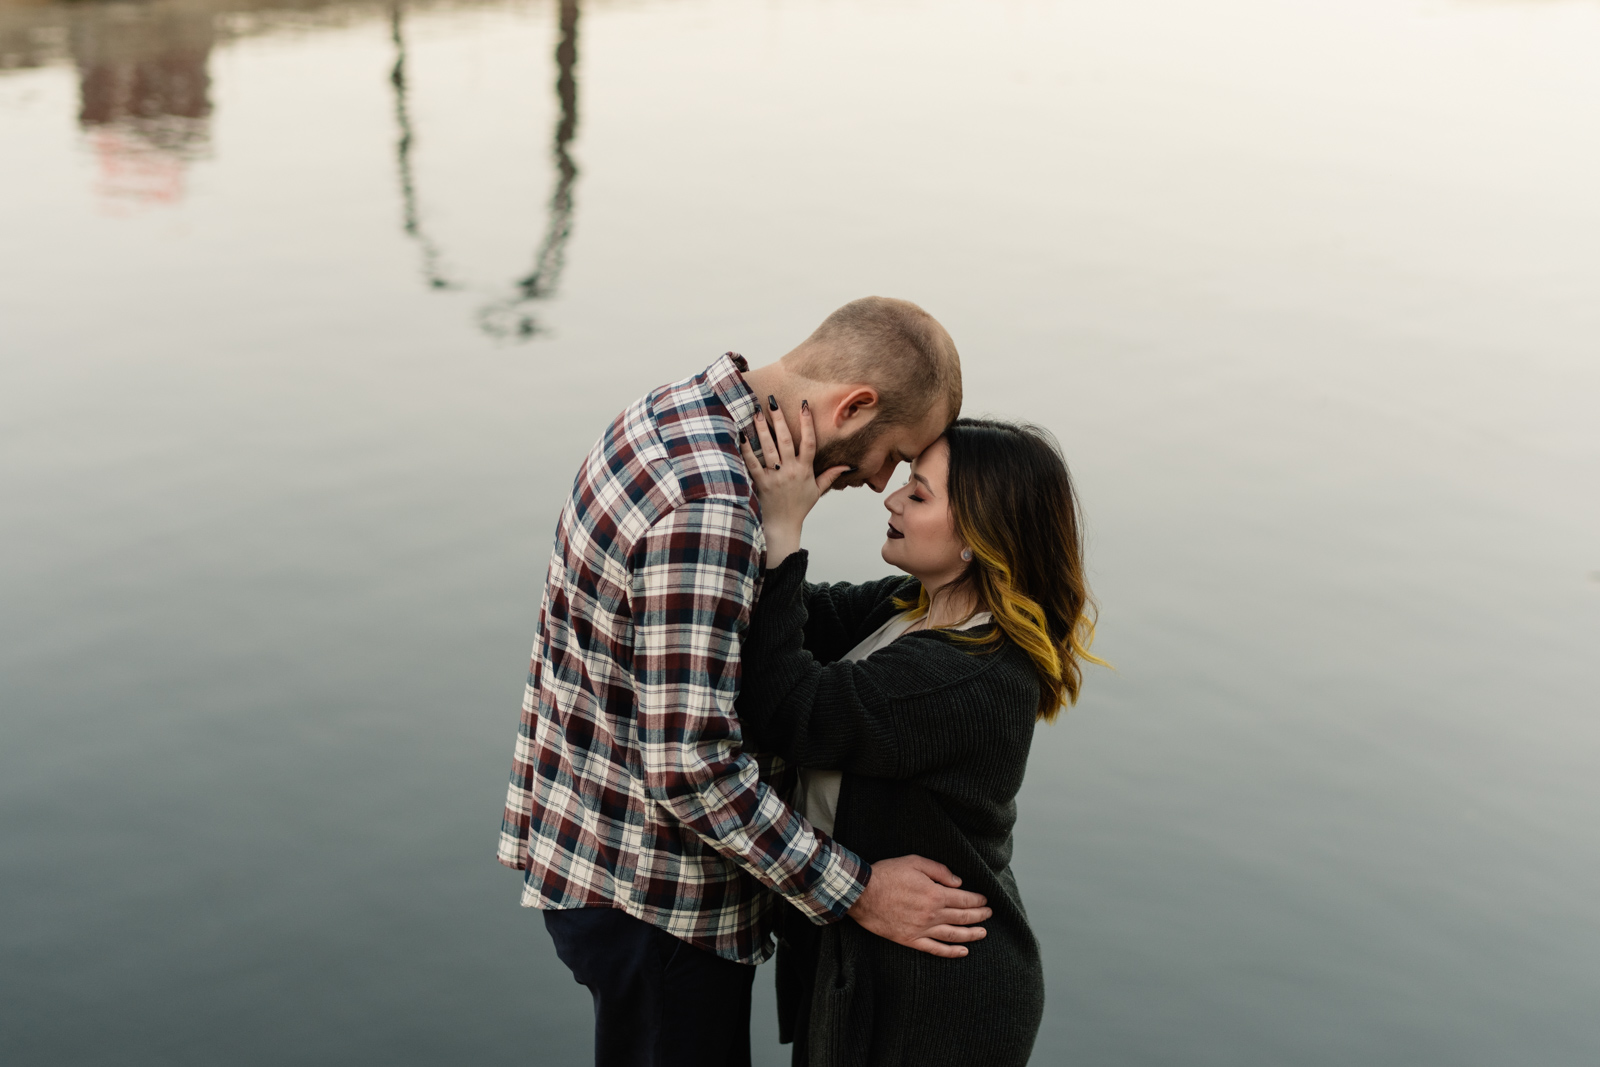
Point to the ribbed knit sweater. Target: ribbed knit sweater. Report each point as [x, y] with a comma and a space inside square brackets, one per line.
[933, 741]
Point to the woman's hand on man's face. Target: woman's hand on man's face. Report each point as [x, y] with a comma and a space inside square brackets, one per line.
[785, 483]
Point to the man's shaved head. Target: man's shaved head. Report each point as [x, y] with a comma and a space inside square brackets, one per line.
[893, 346]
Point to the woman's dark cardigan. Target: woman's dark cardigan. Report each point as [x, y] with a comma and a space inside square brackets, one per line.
[933, 742]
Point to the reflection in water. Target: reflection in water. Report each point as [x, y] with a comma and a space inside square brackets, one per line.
[143, 78]
[510, 318]
[144, 99]
[31, 35]
[145, 109]
[408, 186]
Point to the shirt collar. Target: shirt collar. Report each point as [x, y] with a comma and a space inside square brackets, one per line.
[725, 378]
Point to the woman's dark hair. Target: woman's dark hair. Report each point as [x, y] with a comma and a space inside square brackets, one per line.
[1012, 500]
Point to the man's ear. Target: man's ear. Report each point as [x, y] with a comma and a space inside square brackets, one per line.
[861, 402]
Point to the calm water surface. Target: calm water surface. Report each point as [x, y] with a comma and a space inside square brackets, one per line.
[307, 315]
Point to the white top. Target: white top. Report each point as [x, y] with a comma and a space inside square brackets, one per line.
[818, 794]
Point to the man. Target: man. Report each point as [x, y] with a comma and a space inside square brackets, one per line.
[650, 840]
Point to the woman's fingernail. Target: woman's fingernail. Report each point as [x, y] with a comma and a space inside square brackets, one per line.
[805, 405]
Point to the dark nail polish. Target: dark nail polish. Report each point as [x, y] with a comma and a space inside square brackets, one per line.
[772, 402]
[805, 405]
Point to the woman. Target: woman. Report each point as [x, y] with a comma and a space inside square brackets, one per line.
[909, 705]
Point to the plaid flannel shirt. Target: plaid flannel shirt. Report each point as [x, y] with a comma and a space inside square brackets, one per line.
[630, 788]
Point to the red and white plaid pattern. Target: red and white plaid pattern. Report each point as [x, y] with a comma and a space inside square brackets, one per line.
[630, 788]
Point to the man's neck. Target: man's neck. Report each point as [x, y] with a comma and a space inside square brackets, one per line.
[777, 382]
[773, 381]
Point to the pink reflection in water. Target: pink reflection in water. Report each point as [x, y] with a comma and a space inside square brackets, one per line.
[134, 173]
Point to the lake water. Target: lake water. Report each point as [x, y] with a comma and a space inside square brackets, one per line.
[307, 315]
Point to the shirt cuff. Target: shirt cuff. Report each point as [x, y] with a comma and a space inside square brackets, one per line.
[843, 880]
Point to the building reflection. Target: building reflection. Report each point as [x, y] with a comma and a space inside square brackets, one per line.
[144, 85]
[144, 98]
[510, 317]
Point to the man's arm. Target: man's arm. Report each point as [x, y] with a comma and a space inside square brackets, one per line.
[692, 586]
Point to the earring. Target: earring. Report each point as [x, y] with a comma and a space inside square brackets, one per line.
[966, 555]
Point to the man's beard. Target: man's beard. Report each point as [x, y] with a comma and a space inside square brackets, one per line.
[848, 452]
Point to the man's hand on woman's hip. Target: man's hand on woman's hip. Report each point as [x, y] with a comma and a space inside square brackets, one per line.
[914, 902]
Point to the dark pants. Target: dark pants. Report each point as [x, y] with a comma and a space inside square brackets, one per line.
[658, 1001]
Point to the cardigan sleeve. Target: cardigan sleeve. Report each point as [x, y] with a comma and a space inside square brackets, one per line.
[918, 704]
[840, 614]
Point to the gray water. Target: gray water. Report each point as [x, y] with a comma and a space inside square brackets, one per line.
[307, 315]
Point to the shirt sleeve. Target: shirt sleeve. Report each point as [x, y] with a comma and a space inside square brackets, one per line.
[693, 585]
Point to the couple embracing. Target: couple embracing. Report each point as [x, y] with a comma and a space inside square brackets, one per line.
[717, 755]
